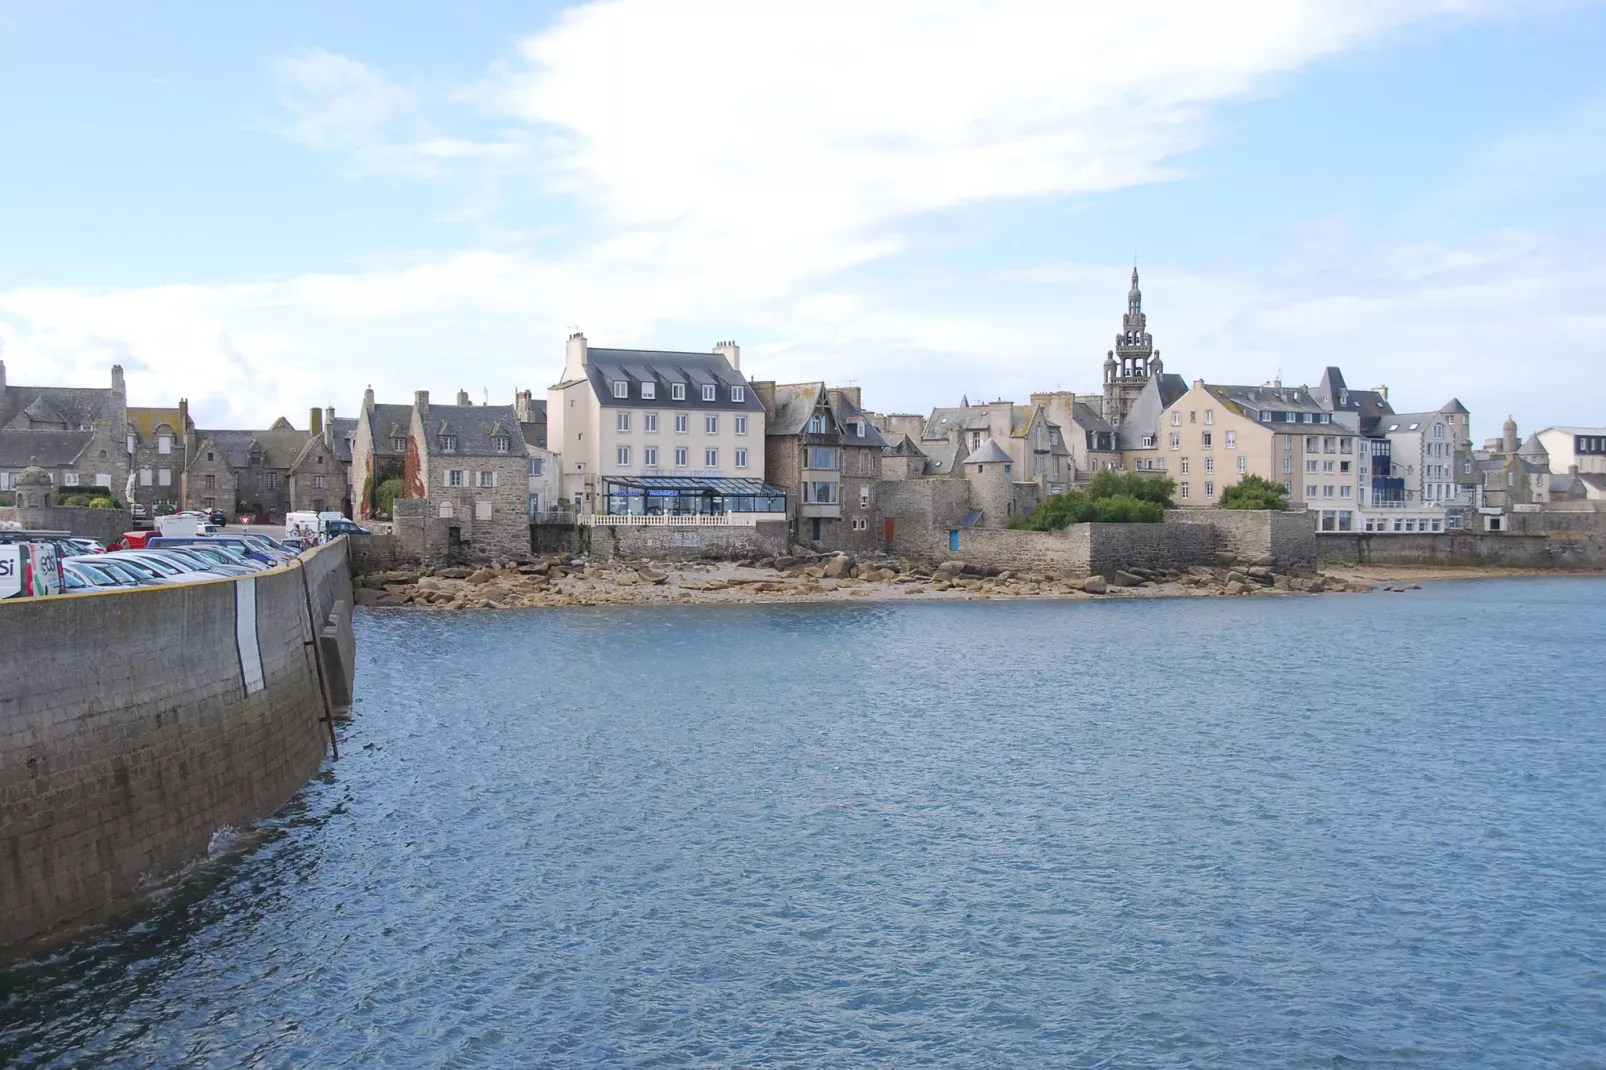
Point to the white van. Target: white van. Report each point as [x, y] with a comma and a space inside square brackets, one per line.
[28, 569]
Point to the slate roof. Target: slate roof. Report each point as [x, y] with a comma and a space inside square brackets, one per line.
[335, 445]
[1088, 418]
[1402, 421]
[1334, 395]
[145, 421]
[476, 428]
[387, 422]
[533, 435]
[989, 452]
[604, 367]
[857, 430]
[1455, 407]
[280, 445]
[944, 456]
[1159, 394]
[794, 405]
[1594, 480]
[1533, 449]
[963, 417]
[72, 406]
[54, 449]
[343, 434]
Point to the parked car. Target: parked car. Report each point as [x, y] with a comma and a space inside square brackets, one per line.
[217, 516]
[157, 569]
[297, 544]
[186, 559]
[89, 546]
[135, 540]
[100, 575]
[233, 544]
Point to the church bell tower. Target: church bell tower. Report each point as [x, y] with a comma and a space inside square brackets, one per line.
[1129, 365]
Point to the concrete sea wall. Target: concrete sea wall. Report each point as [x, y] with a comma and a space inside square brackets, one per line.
[135, 724]
[1566, 551]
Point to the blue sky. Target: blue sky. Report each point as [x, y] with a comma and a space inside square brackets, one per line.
[268, 207]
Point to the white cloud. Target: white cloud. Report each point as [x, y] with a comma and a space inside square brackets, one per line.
[336, 102]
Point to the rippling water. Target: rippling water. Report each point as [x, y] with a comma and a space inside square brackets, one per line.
[1319, 832]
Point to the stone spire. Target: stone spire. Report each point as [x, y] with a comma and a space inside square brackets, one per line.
[1128, 366]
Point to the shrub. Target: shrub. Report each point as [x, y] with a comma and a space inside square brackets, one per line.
[1255, 492]
[387, 492]
[1112, 498]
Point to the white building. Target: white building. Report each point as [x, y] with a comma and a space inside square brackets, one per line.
[1570, 448]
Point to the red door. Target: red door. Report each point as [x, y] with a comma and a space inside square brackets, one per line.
[889, 528]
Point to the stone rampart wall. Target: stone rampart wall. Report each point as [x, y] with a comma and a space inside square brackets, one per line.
[136, 724]
[1063, 552]
[1288, 537]
[1117, 546]
[764, 539]
[1565, 551]
[104, 525]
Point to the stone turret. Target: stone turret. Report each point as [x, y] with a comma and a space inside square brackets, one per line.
[1508, 437]
[36, 496]
[987, 470]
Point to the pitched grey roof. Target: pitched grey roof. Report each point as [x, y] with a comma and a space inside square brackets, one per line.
[943, 456]
[1088, 418]
[54, 449]
[387, 422]
[663, 369]
[1533, 450]
[1159, 393]
[1454, 406]
[279, 446]
[794, 405]
[476, 428]
[1336, 396]
[989, 452]
[963, 417]
[1402, 421]
[344, 433]
[73, 406]
[857, 430]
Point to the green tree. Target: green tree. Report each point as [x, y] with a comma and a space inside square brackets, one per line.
[1254, 492]
[1112, 498]
[1108, 483]
[387, 492]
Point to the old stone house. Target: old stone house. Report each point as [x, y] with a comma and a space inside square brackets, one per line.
[471, 465]
[320, 475]
[378, 450]
[161, 441]
[824, 452]
[76, 433]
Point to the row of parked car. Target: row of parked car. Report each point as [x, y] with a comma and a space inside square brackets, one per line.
[158, 561]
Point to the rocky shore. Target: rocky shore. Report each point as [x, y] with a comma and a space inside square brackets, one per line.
[564, 580]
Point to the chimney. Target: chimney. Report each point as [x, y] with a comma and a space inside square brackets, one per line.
[574, 360]
[462, 398]
[117, 379]
[732, 352]
[329, 424]
[314, 422]
[1572, 469]
[1382, 392]
[523, 408]
[421, 401]
[852, 394]
[368, 400]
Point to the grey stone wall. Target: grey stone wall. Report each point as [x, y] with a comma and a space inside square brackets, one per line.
[120, 765]
[1062, 552]
[1563, 551]
[105, 525]
[1117, 546]
[922, 512]
[765, 539]
[1251, 534]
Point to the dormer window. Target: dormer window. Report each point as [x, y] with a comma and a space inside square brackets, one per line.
[649, 390]
[710, 393]
[448, 443]
[621, 389]
[738, 393]
[500, 443]
[398, 443]
[817, 424]
[677, 391]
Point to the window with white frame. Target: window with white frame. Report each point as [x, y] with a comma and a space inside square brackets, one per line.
[1232, 440]
[680, 456]
[741, 425]
[681, 422]
[1310, 464]
[622, 421]
[677, 391]
[710, 458]
[741, 458]
[1310, 490]
[1210, 464]
[817, 424]
[535, 466]
[860, 523]
[1343, 492]
[649, 422]
[1184, 489]
[398, 443]
[1176, 418]
[649, 456]
[1243, 465]
[624, 456]
[738, 393]
[621, 389]
[1210, 490]
[69, 479]
[500, 443]
[710, 392]
[487, 479]
[867, 459]
[454, 477]
[317, 482]
[649, 391]
[711, 425]
[1185, 466]
[1176, 440]
[864, 497]
[1210, 416]
[272, 480]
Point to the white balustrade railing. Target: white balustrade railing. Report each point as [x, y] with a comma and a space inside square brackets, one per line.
[678, 520]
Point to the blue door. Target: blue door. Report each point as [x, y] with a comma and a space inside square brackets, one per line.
[953, 541]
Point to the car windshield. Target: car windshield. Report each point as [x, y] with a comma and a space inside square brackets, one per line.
[153, 563]
[97, 576]
[120, 569]
[185, 561]
[143, 567]
[73, 583]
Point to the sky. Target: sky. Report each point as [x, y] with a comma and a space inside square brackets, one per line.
[266, 208]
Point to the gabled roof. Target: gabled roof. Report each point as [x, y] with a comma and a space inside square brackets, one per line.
[944, 457]
[54, 449]
[71, 405]
[343, 432]
[145, 420]
[476, 428]
[387, 422]
[1455, 407]
[663, 369]
[279, 447]
[962, 417]
[1334, 395]
[900, 445]
[1403, 421]
[1159, 394]
[1088, 418]
[989, 452]
[857, 429]
[794, 406]
[41, 411]
[1534, 450]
